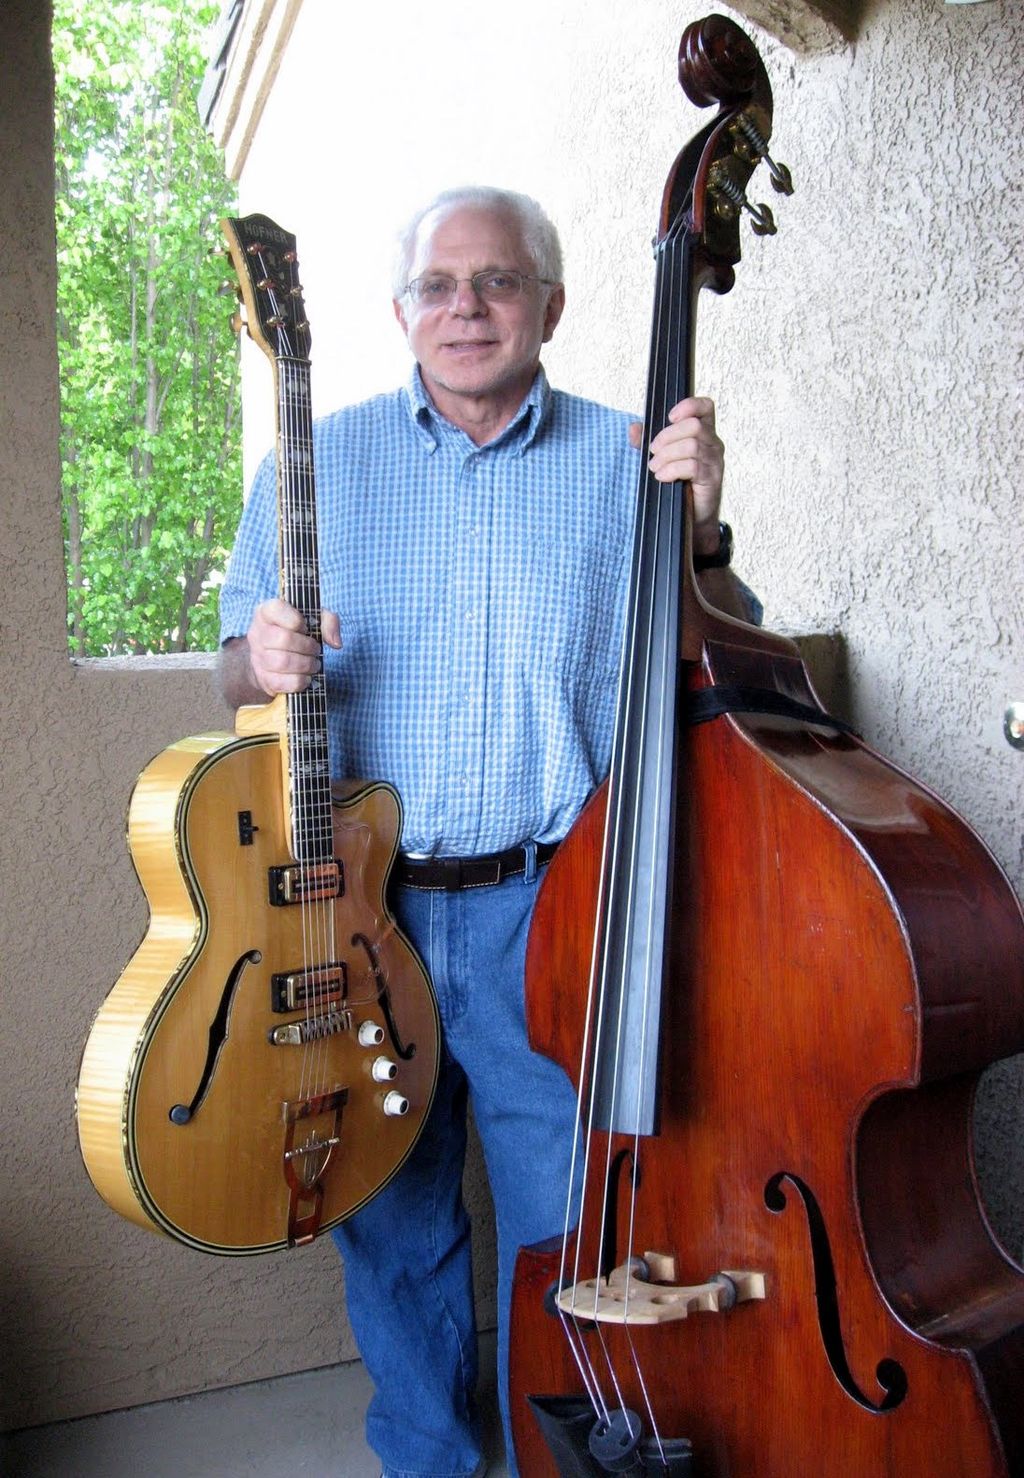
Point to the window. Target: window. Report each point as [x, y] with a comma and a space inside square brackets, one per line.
[150, 398]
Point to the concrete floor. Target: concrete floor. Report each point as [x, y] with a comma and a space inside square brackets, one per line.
[299, 1426]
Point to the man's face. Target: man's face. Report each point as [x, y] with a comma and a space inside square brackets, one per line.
[467, 347]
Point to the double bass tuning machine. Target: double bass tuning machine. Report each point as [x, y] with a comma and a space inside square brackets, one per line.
[727, 175]
[750, 143]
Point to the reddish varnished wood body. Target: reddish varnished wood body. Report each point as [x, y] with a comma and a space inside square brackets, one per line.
[846, 957]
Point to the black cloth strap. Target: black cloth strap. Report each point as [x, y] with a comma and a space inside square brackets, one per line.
[707, 703]
[450, 874]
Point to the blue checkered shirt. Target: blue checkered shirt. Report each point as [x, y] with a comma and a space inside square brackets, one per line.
[481, 594]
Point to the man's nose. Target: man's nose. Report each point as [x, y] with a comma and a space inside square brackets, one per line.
[466, 301]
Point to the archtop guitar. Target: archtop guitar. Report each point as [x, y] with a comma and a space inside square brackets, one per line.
[266, 1062]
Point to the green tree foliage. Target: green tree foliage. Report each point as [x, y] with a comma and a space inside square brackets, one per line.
[149, 369]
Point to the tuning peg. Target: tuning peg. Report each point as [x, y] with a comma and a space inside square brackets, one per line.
[782, 180]
[229, 288]
[729, 198]
[238, 322]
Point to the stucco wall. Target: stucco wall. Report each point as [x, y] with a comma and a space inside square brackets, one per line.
[864, 368]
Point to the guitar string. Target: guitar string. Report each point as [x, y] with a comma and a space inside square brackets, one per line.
[294, 702]
[317, 812]
[285, 549]
[299, 565]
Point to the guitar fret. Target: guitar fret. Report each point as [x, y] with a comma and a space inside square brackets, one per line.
[309, 742]
[310, 769]
[302, 577]
[308, 750]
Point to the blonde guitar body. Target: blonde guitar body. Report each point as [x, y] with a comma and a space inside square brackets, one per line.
[262, 1068]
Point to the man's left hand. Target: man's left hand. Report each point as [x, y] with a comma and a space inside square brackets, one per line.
[689, 450]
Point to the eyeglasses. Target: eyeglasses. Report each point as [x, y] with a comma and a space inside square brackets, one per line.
[436, 288]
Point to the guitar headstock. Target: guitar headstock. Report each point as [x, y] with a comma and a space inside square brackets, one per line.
[267, 267]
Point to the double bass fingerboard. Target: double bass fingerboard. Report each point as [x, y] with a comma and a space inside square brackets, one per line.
[642, 786]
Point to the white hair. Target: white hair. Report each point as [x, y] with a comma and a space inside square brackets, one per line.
[540, 239]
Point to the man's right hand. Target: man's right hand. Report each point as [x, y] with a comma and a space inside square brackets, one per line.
[275, 656]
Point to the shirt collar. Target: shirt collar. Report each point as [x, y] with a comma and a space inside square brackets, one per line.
[521, 430]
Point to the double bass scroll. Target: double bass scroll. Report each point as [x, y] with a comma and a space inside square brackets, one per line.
[775, 967]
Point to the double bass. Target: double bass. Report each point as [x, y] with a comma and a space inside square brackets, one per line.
[775, 966]
[267, 1060]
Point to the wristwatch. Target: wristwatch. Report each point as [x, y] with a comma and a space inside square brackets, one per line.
[720, 557]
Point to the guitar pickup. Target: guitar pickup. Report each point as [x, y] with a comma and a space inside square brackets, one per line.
[306, 882]
[321, 986]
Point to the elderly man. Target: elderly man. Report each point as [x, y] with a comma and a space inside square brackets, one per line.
[475, 533]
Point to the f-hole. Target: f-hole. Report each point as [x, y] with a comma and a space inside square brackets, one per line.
[405, 1052]
[609, 1240]
[889, 1373]
[182, 1113]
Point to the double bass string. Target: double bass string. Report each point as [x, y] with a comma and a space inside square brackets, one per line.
[658, 511]
[597, 997]
[668, 375]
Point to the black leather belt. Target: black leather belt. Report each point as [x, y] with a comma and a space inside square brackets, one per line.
[453, 873]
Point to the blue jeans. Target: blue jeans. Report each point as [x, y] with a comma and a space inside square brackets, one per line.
[407, 1254]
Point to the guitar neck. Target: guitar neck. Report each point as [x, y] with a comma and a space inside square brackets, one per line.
[308, 759]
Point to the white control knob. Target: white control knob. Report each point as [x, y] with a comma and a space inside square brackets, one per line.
[395, 1105]
[384, 1070]
[370, 1034]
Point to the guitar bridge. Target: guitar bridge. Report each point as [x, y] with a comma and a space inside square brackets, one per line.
[298, 1033]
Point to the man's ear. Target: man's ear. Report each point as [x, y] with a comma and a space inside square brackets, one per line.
[553, 311]
[396, 304]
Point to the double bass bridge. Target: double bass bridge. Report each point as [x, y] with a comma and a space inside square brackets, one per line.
[644, 1291]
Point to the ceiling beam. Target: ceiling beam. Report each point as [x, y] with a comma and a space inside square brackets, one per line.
[804, 25]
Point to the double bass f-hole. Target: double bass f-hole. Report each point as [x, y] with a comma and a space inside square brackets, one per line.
[889, 1373]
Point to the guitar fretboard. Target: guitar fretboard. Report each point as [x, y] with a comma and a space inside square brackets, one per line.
[309, 765]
